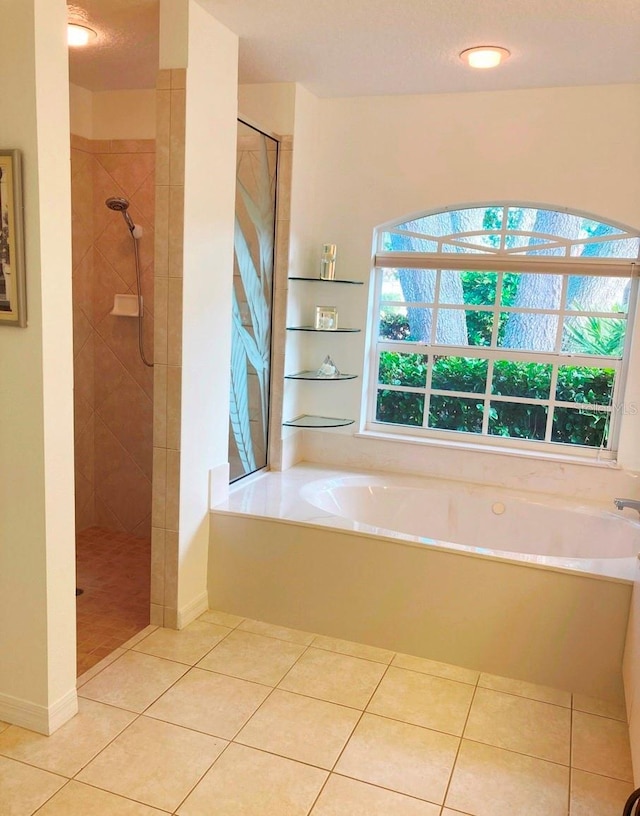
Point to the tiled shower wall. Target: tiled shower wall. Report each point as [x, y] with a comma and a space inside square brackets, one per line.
[170, 139]
[113, 388]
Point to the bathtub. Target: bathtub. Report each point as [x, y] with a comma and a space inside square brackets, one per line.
[522, 585]
[482, 520]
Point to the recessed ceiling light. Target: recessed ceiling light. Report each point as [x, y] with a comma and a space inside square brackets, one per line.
[484, 56]
[78, 35]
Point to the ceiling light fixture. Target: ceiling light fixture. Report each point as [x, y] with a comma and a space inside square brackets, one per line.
[484, 56]
[78, 35]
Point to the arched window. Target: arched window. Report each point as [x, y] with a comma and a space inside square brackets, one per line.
[503, 324]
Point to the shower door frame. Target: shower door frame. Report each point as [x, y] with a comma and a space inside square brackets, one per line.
[278, 298]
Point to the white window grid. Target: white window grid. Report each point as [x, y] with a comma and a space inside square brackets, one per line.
[492, 353]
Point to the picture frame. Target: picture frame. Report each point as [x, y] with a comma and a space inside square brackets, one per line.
[326, 318]
[13, 303]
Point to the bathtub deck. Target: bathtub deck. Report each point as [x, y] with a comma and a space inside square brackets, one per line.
[282, 496]
[307, 725]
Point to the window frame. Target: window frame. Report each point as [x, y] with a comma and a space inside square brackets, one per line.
[500, 261]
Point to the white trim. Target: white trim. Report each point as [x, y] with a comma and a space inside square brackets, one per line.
[470, 261]
[42, 719]
[479, 441]
[193, 610]
[456, 444]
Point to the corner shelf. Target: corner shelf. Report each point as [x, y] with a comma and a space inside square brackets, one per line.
[328, 280]
[309, 421]
[313, 375]
[324, 331]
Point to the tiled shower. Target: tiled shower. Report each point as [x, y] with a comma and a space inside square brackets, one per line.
[113, 396]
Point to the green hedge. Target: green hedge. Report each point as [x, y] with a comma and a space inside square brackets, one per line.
[587, 387]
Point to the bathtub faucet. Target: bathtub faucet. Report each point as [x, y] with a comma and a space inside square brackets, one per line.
[634, 504]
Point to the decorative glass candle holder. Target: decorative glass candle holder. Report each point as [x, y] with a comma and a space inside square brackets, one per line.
[328, 262]
[326, 318]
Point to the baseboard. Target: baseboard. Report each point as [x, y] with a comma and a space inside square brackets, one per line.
[39, 718]
[193, 610]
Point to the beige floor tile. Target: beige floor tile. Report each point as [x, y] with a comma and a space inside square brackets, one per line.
[421, 664]
[95, 670]
[133, 681]
[252, 657]
[544, 694]
[3, 726]
[76, 799]
[185, 646]
[140, 636]
[23, 788]
[209, 702]
[334, 677]
[280, 632]
[246, 782]
[601, 746]
[301, 728]
[405, 758]
[153, 762]
[422, 699]
[449, 812]
[489, 781]
[221, 618]
[69, 749]
[593, 795]
[353, 649]
[520, 724]
[605, 708]
[348, 797]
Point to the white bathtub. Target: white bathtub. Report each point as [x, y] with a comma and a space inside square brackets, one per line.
[483, 520]
[517, 584]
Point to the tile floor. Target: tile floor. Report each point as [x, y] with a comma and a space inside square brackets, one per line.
[114, 571]
[233, 717]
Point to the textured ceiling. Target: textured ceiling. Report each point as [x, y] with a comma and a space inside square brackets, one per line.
[125, 54]
[363, 47]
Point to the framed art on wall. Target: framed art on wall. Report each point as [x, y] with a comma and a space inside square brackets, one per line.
[13, 305]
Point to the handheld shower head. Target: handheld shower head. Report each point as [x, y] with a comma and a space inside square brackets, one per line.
[121, 205]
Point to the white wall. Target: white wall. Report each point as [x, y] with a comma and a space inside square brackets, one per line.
[37, 541]
[303, 242]
[209, 198]
[387, 157]
[270, 107]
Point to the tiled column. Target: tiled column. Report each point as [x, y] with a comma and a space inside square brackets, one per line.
[167, 344]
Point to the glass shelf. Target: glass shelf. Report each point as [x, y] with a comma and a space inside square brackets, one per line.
[324, 331]
[313, 375]
[308, 421]
[328, 280]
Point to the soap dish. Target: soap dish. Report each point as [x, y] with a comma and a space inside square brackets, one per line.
[125, 306]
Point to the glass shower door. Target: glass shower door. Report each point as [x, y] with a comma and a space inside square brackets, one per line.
[257, 161]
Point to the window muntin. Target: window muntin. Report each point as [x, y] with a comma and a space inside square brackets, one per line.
[507, 354]
[511, 230]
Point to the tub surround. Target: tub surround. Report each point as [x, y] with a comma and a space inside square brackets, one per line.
[588, 481]
[276, 557]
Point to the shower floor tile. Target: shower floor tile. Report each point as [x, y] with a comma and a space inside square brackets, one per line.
[167, 734]
[114, 571]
